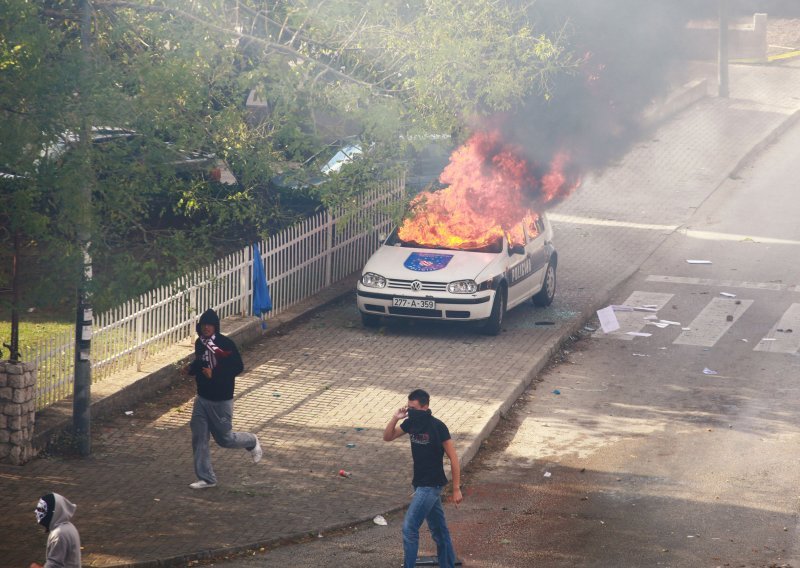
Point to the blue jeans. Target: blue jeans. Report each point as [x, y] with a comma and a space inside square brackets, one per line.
[426, 505]
[214, 418]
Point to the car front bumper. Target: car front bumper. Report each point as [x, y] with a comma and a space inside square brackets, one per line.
[466, 307]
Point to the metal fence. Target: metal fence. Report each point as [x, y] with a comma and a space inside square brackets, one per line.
[299, 262]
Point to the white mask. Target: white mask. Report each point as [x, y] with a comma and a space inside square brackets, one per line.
[41, 511]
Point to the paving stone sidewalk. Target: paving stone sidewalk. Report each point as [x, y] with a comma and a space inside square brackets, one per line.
[320, 391]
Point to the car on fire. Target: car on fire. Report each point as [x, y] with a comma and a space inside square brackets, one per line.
[403, 279]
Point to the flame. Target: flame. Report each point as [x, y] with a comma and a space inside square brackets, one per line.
[490, 189]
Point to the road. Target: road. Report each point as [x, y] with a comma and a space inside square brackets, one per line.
[675, 450]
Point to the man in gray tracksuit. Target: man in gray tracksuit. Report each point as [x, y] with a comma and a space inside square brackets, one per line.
[216, 363]
[54, 512]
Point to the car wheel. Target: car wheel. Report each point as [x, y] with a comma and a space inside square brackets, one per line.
[370, 320]
[495, 321]
[545, 296]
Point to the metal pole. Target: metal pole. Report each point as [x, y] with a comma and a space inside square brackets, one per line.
[14, 347]
[82, 393]
[724, 89]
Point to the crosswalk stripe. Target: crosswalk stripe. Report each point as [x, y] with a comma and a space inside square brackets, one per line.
[713, 322]
[777, 287]
[634, 321]
[787, 340]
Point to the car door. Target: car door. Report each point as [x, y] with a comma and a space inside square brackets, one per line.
[518, 273]
[537, 251]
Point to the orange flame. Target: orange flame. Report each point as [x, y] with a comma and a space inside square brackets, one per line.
[490, 188]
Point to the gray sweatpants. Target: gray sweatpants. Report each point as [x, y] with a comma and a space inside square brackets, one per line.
[214, 418]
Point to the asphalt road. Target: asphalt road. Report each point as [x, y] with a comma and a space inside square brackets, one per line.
[678, 449]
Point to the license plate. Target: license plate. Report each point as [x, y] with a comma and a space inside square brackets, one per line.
[414, 303]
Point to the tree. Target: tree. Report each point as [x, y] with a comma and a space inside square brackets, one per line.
[176, 75]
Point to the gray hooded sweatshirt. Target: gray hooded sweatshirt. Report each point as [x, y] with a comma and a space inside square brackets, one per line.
[63, 540]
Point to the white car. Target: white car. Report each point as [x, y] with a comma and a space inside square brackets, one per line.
[404, 280]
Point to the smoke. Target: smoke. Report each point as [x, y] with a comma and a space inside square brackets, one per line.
[625, 52]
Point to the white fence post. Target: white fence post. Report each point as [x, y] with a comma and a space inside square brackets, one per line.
[328, 248]
[140, 349]
[247, 253]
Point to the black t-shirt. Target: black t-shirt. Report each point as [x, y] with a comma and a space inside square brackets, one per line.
[427, 452]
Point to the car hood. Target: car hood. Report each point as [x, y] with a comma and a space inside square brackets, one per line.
[431, 265]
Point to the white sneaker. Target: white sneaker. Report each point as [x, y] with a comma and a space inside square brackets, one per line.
[202, 484]
[256, 452]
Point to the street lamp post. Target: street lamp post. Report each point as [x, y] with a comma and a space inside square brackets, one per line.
[724, 89]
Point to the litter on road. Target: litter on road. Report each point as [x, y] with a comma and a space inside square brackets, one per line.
[708, 371]
[696, 261]
[727, 294]
[379, 520]
[608, 320]
[639, 334]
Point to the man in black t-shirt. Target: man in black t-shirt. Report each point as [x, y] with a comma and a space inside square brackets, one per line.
[430, 440]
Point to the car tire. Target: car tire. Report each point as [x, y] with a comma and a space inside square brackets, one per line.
[495, 321]
[370, 320]
[545, 296]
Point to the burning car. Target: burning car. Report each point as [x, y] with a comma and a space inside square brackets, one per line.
[478, 246]
[406, 279]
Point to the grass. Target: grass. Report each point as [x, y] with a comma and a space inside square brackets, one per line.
[32, 329]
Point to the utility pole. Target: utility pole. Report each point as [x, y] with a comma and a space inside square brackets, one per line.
[82, 392]
[724, 89]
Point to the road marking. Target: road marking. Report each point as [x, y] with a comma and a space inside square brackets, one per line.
[575, 220]
[634, 321]
[774, 286]
[713, 322]
[784, 341]
[717, 236]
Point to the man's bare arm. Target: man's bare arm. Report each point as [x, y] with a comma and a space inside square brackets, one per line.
[393, 430]
[455, 469]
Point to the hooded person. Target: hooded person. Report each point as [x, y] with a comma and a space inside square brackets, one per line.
[216, 364]
[54, 513]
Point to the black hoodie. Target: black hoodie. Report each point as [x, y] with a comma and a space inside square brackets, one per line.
[228, 362]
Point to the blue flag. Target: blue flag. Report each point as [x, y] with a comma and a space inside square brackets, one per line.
[262, 303]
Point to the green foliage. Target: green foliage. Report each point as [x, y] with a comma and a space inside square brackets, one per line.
[177, 75]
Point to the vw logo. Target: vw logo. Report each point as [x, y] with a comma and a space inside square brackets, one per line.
[416, 285]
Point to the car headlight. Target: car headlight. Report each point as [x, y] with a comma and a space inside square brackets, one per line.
[462, 287]
[372, 280]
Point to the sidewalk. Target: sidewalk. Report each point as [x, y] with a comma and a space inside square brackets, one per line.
[319, 389]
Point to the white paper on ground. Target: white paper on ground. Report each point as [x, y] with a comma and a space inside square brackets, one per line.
[696, 261]
[727, 294]
[639, 334]
[668, 322]
[608, 321]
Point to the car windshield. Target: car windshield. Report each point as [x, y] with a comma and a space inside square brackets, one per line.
[495, 246]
